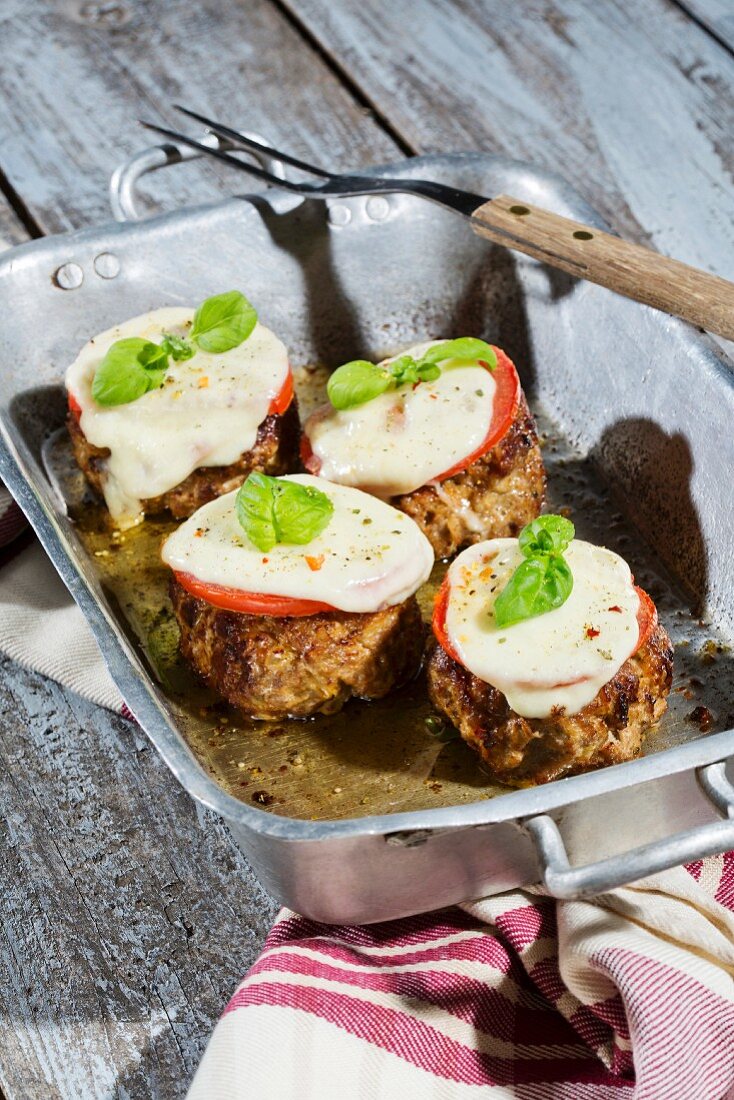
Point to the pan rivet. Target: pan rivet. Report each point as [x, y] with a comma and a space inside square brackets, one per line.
[583, 235]
[519, 210]
[340, 215]
[107, 265]
[377, 208]
[68, 276]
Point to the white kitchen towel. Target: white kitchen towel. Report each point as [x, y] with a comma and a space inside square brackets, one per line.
[40, 625]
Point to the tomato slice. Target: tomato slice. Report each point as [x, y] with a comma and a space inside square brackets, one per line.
[251, 603]
[504, 408]
[281, 402]
[74, 407]
[647, 617]
[440, 608]
[311, 461]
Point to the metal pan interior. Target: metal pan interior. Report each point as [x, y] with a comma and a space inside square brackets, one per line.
[639, 469]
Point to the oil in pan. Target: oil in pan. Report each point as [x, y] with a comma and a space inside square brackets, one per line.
[393, 754]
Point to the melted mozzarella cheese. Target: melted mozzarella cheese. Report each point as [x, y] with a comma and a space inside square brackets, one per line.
[206, 413]
[557, 661]
[370, 555]
[407, 437]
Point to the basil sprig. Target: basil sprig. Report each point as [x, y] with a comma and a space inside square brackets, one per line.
[544, 580]
[177, 347]
[272, 510]
[360, 381]
[134, 366]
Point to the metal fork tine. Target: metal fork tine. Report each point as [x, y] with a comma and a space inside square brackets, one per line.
[244, 166]
[250, 143]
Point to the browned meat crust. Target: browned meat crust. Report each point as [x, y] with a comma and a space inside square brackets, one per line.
[493, 498]
[275, 452]
[276, 667]
[523, 751]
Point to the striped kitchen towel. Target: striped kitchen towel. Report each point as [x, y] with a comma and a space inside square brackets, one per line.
[627, 996]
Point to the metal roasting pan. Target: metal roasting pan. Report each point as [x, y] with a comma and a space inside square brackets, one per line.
[640, 412]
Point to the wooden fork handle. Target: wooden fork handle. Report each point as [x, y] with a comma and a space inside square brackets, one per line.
[628, 269]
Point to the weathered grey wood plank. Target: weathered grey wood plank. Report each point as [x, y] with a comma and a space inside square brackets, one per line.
[631, 102]
[716, 15]
[128, 914]
[73, 85]
[12, 230]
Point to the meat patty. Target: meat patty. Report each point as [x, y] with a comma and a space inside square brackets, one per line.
[524, 751]
[493, 498]
[275, 452]
[273, 668]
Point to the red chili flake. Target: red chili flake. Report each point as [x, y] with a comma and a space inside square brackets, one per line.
[314, 564]
[615, 608]
[265, 561]
[592, 632]
[433, 396]
[396, 417]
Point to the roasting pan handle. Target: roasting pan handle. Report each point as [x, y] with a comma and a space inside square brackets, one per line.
[563, 881]
[124, 179]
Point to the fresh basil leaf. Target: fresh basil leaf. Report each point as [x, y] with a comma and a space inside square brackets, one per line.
[130, 368]
[255, 506]
[175, 346]
[153, 357]
[356, 383]
[404, 370]
[271, 511]
[465, 348]
[301, 512]
[428, 372]
[538, 585]
[546, 535]
[223, 322]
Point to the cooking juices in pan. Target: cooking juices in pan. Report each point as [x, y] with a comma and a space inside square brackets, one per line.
[392, 754]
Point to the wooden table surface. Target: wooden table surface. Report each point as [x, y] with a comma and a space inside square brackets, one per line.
[127, 912]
